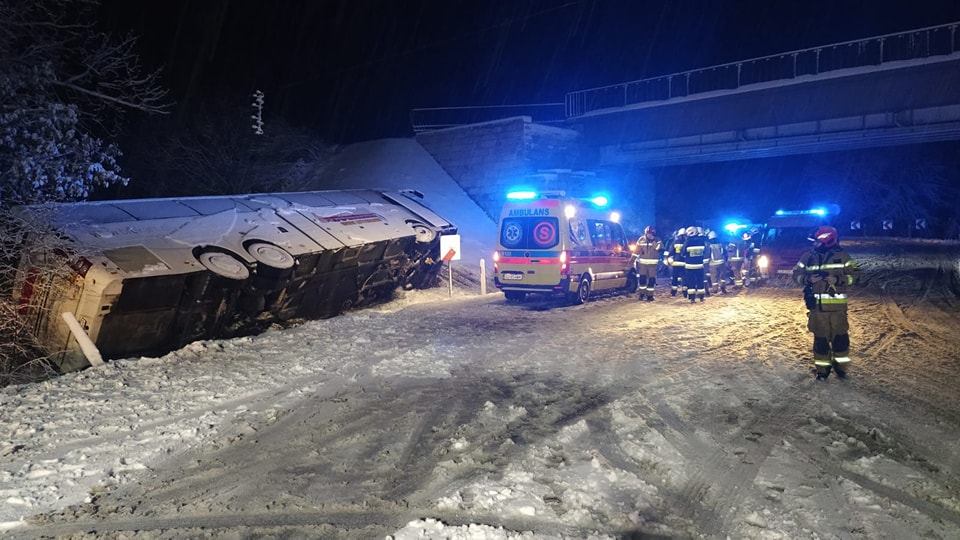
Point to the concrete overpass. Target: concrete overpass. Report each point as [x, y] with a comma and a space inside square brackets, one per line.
[887, 90]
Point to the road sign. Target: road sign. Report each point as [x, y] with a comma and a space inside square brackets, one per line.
[855, 225]
[887, 224]
[920, 224]
[450, 247]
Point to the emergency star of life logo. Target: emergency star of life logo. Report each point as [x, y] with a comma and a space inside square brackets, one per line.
[545, 233]
[512, 233]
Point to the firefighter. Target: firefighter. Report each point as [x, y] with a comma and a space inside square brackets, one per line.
[704, 231]
[735, 263]
[674, 257]
[751, 249]
[648, 256]
[693, 250]
[716, 258]
[825, 273]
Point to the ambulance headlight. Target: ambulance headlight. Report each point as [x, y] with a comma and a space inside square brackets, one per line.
[763, 262]
[569, 211]
[615, 217]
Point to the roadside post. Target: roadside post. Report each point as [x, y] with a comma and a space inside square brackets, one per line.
[450, 247]
[483, 277]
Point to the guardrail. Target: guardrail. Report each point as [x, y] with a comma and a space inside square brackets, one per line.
[433, 118]
[913, 44]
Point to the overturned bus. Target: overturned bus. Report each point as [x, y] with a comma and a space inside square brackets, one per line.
[148, 276]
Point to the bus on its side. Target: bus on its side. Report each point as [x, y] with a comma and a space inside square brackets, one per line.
[550, 243]
[151, 275]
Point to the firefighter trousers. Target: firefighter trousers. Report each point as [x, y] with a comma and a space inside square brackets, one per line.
[831, 338]
[676, 278]
[694, 279]
[716, 278]
[736, 271]
[647, 278]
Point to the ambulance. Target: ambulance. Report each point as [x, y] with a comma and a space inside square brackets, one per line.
[550, 243]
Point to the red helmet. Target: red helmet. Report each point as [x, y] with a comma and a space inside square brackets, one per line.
[649, 230]
[826, 236]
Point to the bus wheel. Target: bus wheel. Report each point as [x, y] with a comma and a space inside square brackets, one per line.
[224, 265]
[583, 292]
[515, 296]
[424, 234]
[273, 262]
[633, 283]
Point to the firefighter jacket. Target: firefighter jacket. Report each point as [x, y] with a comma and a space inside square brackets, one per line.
[826, 274]
[715, 254]
[648, 251]
[675, 255]
[693, 251]
[737, 251]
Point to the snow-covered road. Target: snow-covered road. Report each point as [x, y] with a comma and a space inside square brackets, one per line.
[474, 418]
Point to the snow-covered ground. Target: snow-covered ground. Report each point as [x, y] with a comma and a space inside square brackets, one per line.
[431, 417]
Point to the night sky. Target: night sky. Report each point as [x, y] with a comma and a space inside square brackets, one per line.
[352, 69]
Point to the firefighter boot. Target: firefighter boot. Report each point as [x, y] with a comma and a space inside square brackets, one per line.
[823, 372]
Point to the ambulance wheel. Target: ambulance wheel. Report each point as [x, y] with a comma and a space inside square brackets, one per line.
[633, 283]
[583, 292]
[515, 296]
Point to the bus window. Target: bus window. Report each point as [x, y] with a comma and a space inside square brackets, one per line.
[93, 214]
[343, 197]
[530, 233]
[156, 209]
[213, 205]
[308, 199]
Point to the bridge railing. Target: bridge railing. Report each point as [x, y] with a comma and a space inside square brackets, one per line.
[914, 44]
[433, 118]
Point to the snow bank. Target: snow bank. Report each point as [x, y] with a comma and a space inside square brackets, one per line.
[394, 164]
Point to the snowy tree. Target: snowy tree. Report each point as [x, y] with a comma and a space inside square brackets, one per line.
[64, 89]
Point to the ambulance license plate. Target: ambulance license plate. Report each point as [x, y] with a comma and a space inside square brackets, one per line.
[514, 277]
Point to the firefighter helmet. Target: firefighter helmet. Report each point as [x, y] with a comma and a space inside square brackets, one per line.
[649, 230]
[712, 235]
[681, 231]
[691, 231]
[746, 235]
[826, 236]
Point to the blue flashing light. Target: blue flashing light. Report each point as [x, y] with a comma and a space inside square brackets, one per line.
[818, 211]
[781, 212]
[734, 227]
[600, 200]
[521, 195]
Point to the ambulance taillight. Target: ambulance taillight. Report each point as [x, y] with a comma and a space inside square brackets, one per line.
[496, 259]
[564, 269]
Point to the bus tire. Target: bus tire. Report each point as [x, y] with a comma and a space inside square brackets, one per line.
[271, 256]
[515, 296]
[423, 233]
[582, 295]
[224, 264]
